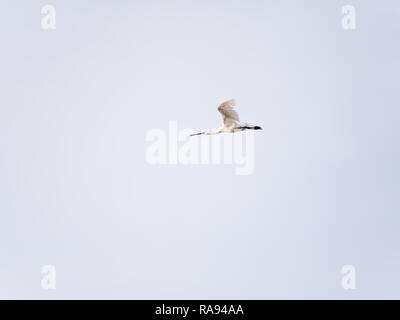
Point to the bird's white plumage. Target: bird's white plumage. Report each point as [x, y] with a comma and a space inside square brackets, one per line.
[230, 118]
[229, 114]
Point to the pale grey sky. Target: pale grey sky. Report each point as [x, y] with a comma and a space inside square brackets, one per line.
[76, 190]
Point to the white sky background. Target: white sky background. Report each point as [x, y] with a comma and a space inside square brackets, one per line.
[76, 192]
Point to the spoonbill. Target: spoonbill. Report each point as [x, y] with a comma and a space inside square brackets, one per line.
[231, 120]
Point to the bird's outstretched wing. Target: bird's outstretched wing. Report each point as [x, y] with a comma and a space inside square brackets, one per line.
[229, 114]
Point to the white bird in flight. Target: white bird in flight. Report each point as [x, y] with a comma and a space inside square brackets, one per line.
[231, 120]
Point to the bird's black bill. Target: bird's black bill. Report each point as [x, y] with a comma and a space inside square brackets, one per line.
[250, 128]
[196, 134]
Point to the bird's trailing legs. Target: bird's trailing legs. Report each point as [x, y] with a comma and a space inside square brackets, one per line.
[196, 134]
